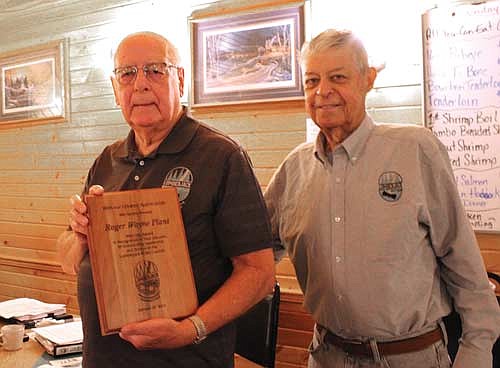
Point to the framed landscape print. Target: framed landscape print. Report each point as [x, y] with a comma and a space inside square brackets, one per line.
[247, 57]
[34, 85]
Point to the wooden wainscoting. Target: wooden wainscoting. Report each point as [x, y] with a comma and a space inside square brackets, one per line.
[490, 250]
[294, 332]
[42, 281]
[295, 324]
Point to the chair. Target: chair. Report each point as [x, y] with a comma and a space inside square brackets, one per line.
[496, 347]
[453, 326]
[257, 330]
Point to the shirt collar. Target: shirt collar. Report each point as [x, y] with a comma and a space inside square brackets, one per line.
[175, 142]
[353, 144]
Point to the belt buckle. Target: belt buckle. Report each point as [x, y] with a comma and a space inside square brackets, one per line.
[356, 344]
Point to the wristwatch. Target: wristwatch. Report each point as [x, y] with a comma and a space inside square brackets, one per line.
[201, 329]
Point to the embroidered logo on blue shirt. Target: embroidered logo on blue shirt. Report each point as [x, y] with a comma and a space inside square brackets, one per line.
[181, 178]
[390, 186]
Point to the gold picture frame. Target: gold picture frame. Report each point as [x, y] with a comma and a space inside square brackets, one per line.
[248, 57]
[34, 85]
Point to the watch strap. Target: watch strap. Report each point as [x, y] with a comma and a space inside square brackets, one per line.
[201, 329]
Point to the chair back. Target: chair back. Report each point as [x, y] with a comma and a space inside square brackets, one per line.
[257, 330]
[453, 326]
[496, 347]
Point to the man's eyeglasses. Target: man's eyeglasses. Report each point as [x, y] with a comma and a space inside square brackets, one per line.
[155, 72]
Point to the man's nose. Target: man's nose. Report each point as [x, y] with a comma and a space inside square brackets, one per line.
[141, 82]
[324, 89]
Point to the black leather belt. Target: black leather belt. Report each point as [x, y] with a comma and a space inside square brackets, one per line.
[362, 348]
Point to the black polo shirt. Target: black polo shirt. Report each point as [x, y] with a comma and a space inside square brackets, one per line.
[224, 216]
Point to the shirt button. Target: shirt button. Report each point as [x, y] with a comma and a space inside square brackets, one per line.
[338, 259]
[141, 163]
[339, 297]
[337, 180]
[337, 219]
[136, 178]
[354, 158]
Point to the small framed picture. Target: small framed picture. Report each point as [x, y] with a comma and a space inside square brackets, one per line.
[34, 85]
[245, 58]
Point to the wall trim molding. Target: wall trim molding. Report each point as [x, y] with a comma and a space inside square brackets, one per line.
[31, 264]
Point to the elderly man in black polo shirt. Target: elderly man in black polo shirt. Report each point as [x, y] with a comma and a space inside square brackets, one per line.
[226, 223]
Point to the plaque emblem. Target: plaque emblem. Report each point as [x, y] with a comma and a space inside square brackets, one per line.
[390, 186]
[180, 178]
[147, 280]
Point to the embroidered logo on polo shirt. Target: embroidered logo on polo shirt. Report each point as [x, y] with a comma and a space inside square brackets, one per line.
[390, 186]
[181, 178]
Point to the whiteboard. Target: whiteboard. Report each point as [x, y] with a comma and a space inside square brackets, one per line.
[461, 49]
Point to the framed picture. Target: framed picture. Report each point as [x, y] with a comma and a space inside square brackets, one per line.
[247, 57]
[34, 85]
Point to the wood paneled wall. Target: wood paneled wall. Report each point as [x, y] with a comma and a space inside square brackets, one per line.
[43, 165]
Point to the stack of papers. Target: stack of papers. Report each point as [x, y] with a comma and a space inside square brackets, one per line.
[26, 309]
[60, 339]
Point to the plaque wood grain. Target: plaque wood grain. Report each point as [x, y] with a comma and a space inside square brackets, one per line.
[139, 256]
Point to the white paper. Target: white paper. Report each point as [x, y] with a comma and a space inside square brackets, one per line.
[68, 362]
[26, 309]
[62, 334]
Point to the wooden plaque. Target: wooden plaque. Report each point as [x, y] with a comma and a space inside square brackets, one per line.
[139, 255]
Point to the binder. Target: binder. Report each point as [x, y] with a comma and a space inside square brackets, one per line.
[57, 350]
[60, 339]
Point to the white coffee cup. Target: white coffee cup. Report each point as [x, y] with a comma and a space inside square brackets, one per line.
[11, 337]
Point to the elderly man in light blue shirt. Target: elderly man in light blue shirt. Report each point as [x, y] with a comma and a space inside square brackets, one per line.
[373, 223]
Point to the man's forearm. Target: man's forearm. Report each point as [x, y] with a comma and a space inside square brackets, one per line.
[71, 248]
[246, 286]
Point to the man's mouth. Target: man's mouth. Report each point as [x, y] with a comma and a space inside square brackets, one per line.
[328, 106]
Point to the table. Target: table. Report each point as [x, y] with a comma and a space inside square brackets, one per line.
[32, 352]
[23, 358]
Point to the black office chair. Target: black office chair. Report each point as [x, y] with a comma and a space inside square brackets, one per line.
[257, 330]
[453, 326]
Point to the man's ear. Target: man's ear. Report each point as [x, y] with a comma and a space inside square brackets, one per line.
[180, 75]
[371, 75]
[114, 83]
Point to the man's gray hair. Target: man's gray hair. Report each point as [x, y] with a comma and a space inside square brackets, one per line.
[332, 39]
[172, 52]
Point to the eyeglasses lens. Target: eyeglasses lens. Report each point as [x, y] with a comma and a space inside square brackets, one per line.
[154, 72]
